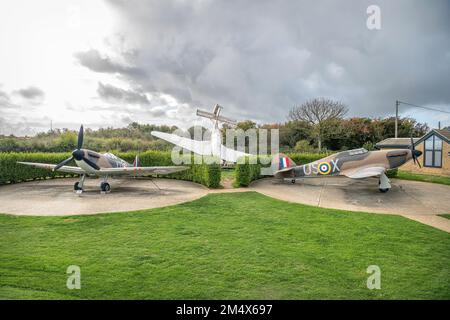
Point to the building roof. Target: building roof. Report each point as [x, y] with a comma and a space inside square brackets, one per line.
[396, 143]
[442, 133]
[445, 133]
[406, 142]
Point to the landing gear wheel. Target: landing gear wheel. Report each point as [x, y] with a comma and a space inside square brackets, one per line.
[76, 186]
[105, 187]
[293, 181]
[382, 190]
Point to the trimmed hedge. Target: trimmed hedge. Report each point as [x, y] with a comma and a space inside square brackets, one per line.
[12, 172]
[303, 158]
[246, 173]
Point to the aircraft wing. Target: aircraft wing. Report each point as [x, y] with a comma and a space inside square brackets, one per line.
[139, 171]
[199, 147]
[366, 172]
[68, 169]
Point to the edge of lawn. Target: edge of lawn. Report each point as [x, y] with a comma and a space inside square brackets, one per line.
[405, 175]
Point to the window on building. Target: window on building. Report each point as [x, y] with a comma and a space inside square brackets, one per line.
[433, 152]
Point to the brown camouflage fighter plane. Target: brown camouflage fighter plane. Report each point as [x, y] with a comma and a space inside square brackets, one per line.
[355, 164]
[91, 163]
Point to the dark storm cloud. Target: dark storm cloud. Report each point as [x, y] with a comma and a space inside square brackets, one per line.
[94, 61]
[31, 93]
[113, 94]
[259, 58]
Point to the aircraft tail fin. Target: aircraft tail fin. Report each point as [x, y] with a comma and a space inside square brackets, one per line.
[282, 162]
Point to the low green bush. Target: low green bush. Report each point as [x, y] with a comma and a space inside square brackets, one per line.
[13, 172]
[305, 157]
[392, 173]
[246, 172]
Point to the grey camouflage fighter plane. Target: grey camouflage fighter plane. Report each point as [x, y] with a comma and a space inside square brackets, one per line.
[355, 164]
[91, 163]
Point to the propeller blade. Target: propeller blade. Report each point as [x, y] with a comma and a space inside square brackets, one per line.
[412, 148]
[62, 163]
[80, 137]
[92, 164]
[415, 153]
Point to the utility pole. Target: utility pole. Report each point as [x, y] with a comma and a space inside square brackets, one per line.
[396, 117]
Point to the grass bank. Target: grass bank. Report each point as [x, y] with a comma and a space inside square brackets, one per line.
[223, 246]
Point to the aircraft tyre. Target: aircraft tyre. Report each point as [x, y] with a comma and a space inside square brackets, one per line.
[382, 190]
[105, 187]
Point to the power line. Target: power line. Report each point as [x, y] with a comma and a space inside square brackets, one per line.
[427, 108]
[397, 104]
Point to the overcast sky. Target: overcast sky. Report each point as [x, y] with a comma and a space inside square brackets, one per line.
[108, 63]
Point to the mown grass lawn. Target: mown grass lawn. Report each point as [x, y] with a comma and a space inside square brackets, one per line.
[224, 246]
[422, 177]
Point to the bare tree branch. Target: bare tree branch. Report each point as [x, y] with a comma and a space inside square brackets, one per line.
[317, 112]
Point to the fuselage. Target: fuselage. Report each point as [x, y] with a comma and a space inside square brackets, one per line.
[335, 164]
[105, 160]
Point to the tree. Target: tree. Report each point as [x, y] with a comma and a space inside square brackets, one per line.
[303, 146]
[292, 131]
[318, 113]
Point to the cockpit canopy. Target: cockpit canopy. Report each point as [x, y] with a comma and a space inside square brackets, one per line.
[111, 156]
[353, 152]
[115, 160]
[357, 151]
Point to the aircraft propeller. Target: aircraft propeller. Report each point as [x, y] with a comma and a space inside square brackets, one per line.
[78, 154]
[415, 153]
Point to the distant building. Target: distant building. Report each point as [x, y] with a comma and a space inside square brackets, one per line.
[435, 147]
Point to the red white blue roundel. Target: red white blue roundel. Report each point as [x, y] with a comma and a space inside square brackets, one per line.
[324, 168]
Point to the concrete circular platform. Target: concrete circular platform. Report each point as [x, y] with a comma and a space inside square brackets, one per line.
[405, 197]
[55, 197]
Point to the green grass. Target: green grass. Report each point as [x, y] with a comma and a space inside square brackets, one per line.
[423, 177]
[228, 176]
[224, 246]
[447, 216]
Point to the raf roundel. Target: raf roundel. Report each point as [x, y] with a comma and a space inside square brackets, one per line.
[324, 168]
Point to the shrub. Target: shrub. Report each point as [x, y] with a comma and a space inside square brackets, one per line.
[246, 172]
[12, 172]
[305, 157]
[392, 173]
[303, 146]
